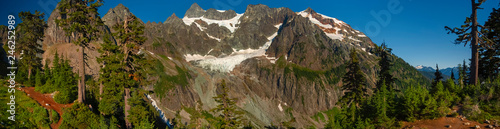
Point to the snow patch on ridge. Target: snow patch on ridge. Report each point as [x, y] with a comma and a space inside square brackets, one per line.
[212, 37]
[227, 63]
[354, 39]
[229, 24]
[155, 105]
[327, 26]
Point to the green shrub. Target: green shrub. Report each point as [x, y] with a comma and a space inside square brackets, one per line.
[79, 116]
[41, 116]
[64, 97]
[54, 116]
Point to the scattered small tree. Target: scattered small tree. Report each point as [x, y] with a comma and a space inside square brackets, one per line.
[229, 116]
[438, 76]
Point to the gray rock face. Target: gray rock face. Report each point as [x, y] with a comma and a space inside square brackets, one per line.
[216, 15]
[173, 19]
[54, 34]
[194, 11]
[116, 15]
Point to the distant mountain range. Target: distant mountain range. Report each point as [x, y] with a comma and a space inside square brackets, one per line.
[429, 71]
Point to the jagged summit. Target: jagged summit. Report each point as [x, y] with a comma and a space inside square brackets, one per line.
[173, 19]
[310, 10]
[116, 14]
[194, 11]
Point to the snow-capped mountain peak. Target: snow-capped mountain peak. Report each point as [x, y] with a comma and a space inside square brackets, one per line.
[419, 67]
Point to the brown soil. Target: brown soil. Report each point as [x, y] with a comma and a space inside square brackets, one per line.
[44, 99]
[442, 123]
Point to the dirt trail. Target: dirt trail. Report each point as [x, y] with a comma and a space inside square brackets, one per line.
[441, 123]
[46, 101]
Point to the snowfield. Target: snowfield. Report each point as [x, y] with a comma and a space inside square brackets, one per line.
[227, 63]
[229, 24]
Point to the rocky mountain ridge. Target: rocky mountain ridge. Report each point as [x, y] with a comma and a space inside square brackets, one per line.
[281, 65]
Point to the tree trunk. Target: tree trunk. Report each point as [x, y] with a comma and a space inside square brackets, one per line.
[29, 73]
[101, 88]
[474, 41]
[127, 108]
[81, 86]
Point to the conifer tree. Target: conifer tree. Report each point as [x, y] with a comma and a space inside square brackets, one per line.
[129, 37]
[123, 68]
[385, 66]
[465, 36]
[31, 32]
[80, 19]
[354, 82]
[111, 77]
[452, 76]
[489, 55]
[438, 76]
[38, 78]
[229, 116]
[46, 70]
[463, 76]
[379, 103]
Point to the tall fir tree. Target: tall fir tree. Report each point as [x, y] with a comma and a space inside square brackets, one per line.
[80, 19]
[31, 31]
[112, 78]
[489, 55]
[354, 83]
[385, 67]
[438, 76]
[123, 69]
[129, 35]
[469, 33]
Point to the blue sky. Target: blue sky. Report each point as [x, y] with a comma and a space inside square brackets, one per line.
[415, 31]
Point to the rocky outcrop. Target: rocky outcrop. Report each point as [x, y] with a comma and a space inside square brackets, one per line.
[194, 11]
[219, 15]
[54, 34]
[117, 15]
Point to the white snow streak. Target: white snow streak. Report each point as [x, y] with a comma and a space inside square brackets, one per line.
[327, 26]
[212, 37]
[229, 24]
[357, 40]
[279, 107]
[162, 115]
